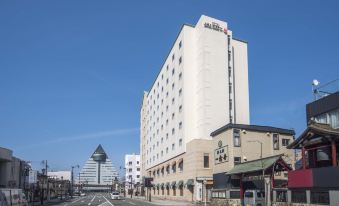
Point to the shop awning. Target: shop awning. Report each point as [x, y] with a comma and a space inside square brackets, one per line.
[158, 185]
[162, 185]
[255, 165]
[167, 184]
[173, 183]
[190, 182]
[180, 183]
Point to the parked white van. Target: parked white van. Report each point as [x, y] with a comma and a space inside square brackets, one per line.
[254, 198]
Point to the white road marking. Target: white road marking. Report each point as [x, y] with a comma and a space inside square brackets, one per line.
[131, 203]
[92, 200]
[108, 201]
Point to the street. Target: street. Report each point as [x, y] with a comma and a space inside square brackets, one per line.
[102, 199]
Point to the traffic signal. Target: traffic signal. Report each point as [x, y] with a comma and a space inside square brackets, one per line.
[148, 181]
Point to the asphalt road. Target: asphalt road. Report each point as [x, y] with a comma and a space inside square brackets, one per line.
[102, 199]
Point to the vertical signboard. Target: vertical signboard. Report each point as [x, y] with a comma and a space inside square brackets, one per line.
[32, 176]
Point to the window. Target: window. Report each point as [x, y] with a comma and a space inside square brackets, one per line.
[173, 100]
[298, 196]
[173, 146]
[320, 197]
[237, 160]
[230, 88]
[129, 170]
[173, 71]
[130, 163]
[173, 115]
[276, 141]
[180, 92]
[172, 86]
[206, 160]
[167, 67]
[180, 108]
[138, 169]
[180, 45]
[167, 81]
[173, 57]
[281, 196]
[138, 176]
[180, 60]
[180, 125]
[166, 150]
[166, 135]
[285, 142]
[234, 194]
[236, 137]
[180, 76]
[180, 142]
[230, 104]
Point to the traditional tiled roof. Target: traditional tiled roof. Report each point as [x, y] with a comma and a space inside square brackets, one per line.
[314, 130]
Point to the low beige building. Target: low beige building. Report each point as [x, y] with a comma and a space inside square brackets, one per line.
[237, 143]
[185, 176]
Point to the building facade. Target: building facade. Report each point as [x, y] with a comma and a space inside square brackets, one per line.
[202, 84]
[324, 110]
[13, 171]
[132, 171]
[234, 144]
[58, 175]
[98, 171]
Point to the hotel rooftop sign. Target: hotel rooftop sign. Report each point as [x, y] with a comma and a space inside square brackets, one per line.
[215, 26]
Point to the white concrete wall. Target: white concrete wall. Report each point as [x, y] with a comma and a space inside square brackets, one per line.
[205, 92]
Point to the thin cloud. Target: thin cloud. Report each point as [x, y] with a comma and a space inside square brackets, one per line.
[97, 135]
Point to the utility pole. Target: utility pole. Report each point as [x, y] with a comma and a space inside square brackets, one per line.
[72, 180]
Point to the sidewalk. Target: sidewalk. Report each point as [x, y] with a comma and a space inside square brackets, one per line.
[156, 201]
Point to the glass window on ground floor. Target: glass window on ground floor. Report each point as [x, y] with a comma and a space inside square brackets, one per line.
[234, 194]
[281, 196]
[162, 191]
[174, 191]
[219, 194]
[320, 197]
[181, 190]
[298, 196]
[168, 191]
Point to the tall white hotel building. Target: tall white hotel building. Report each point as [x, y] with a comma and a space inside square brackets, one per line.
[202, 85]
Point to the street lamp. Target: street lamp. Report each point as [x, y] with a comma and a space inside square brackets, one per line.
[262, 165]
[72, 180]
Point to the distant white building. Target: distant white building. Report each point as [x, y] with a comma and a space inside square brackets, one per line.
[58, 175]
[98, 170]
[133, 173]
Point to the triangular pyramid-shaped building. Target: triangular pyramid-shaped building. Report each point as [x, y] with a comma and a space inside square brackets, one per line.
[98, 170]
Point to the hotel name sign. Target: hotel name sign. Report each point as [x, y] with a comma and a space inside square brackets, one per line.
[215, 26]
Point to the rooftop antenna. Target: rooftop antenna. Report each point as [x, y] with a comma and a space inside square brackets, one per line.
[315, 84]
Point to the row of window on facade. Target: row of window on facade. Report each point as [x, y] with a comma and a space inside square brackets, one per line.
[162, 152]
[297, 196]
[276, 140]
[174, 193]
[173, 167]
[167, 66]
[162, 112]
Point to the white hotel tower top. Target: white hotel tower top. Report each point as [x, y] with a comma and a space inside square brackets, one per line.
[202, 85]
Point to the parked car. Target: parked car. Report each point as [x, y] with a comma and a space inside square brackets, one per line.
[254, 198]
[82, 194]
[115, 196]
[13, 197]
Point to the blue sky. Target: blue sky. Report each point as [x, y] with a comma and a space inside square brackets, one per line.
[72, 73]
